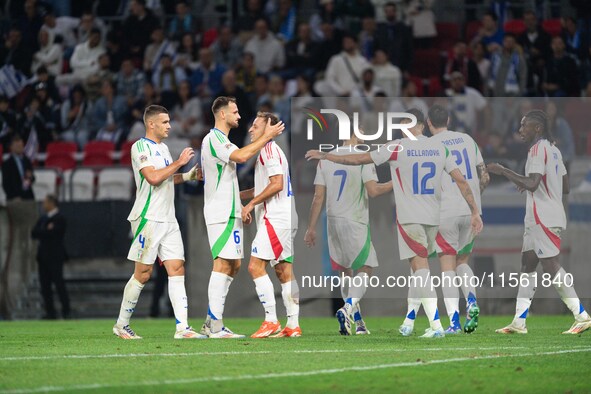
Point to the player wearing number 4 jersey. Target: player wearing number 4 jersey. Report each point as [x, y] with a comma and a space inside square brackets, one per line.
[277, 222]
[156, 232]
[455, 240]
[223, 209]
[545, 181]
[416, 167]
[346, 189]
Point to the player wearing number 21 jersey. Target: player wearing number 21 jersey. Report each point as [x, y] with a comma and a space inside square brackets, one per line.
[416, 167]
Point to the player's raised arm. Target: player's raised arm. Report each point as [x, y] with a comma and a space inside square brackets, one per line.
[315, 209]
[483, 176]
[350, 160]
[271, 131]
[464, 187]
[529, 183]
[155, 177]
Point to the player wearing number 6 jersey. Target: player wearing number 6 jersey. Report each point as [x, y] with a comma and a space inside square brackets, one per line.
[222, 208]
[346, 189]
[155, 229]
[416, 167]
[545, 181]
[277, 223]
[455, 240]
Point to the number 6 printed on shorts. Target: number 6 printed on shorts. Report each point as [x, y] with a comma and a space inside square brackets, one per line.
[237, 236]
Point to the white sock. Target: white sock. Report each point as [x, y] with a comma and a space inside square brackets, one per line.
[451, 297]
[569, 295]
[266, 293]
[178, 299]
[525, 295]
[291, 299]
[356, 291]
[131, 294]
[428, 298]
[219, 284]
[414, 304]
[357, 313]
[464, 271]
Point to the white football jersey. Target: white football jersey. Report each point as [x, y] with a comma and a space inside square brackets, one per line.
[222, 195]
[467, 156]
[279, 210]
[416, 175]
[544, 205]
[151, 202]
[346, 196]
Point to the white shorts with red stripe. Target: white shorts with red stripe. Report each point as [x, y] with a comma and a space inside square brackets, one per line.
[273, 244]
[455, 236]
[544, 241]
[416, 240]
[349, 244]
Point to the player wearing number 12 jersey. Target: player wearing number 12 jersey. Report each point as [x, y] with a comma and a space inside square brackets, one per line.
[416, 167]
[545, 181]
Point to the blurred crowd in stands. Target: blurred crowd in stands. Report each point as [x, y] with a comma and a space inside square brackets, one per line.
[88, 75]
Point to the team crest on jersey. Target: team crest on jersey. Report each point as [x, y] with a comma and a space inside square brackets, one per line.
[143, 158]
[228, 146]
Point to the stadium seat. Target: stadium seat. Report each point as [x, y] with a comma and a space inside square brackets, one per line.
[46, 180]
[418, 81]
[552, 26]
[61, 155]
[81, 185]
[472, 28]
[98, 153]
[515, 26]
[126, 153]
[435, 87]
[427, 63]
[115, 184]
[447, 35]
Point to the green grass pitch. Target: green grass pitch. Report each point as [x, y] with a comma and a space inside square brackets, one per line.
[84, 356]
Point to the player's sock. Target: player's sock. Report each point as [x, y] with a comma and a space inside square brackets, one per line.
[524, 297]
[291, 299]
[428, 297]
[131, 294]
[356, 291]
[266, 293]
[569, 295]
[414, 303]
[219, 284]
[465, 272]
[357, 313]
[178, 299]
[451, 297]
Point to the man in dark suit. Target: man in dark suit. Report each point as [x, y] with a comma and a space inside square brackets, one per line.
[51, 254]
[395, 38]
[17, 173]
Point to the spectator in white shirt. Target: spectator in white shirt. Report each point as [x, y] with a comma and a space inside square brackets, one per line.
[387, 75]
[84, 62]
[49, 54]
[154, 51]
[268, 51]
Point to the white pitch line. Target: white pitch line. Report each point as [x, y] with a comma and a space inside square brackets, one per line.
[156, 383]
[232, 353]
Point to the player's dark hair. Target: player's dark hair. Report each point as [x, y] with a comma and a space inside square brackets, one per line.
[438, 116]
[153, 110]
[418, 114]
[221, 102]
[540, 117]
[268, 115]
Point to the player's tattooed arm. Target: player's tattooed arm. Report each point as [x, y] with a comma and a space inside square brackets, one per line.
[476, 221]
[483, 176]
[247, 194]
[349, 160]
[529, 183]
[315, 209]
[375, 189]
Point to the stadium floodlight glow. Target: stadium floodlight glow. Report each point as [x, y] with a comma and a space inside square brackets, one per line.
[345, 124]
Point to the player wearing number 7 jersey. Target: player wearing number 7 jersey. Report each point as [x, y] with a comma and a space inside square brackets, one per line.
[545, 181]
[416, 167]
[222, 208]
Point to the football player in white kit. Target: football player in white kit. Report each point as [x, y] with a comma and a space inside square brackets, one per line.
[156, 232]
[277, 223]
[545, 181]
[346, 189]
[455, 240]
[222, 208]
[416, 167]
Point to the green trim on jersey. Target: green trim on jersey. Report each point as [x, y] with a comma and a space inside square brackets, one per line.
[476, 146]
[289, 260]
[361, 258]
[141, 179]
[220, 170]
[212, 150]
[362, 186]
[143, 220]
[446, 151]
[433, 254]
[139, 146]
[221, 138]
[219, 244]
[467, 249]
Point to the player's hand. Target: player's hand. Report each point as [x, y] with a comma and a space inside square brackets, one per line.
[275, 130]
[310, 237]
[186, 156]
[246, 216]
[195, 173]
[477, 225]
[495, 168]
[315, 155]
[520, 189]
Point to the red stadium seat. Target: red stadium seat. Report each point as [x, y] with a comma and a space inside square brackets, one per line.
[515, 26]
[98, 153]
[435, 87]
[447, 35]
[472, 29]
[418, 81]
[552, 26]
[209, 36]
[126, 153]
[426, 63]
[61, 155]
